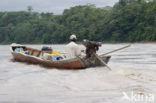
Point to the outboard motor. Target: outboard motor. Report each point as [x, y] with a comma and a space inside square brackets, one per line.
[91, 47]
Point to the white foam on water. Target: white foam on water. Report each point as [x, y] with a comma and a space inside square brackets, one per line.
[20, 82]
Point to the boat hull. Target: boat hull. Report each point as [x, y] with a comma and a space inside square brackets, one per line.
[75, 63]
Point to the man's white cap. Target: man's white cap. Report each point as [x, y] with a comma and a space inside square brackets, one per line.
[72, 37]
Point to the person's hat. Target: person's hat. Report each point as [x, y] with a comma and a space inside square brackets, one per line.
[73, 36]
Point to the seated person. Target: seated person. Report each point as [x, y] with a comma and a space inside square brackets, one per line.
[72, 48]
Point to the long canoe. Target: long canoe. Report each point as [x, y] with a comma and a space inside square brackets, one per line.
[34, 57]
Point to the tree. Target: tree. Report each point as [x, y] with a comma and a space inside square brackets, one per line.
[29, 8]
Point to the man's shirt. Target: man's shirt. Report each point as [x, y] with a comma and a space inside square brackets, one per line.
[72, 50]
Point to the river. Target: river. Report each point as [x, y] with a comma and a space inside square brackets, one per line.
[133, 74]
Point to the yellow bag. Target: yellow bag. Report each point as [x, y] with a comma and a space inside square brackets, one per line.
[56, 52]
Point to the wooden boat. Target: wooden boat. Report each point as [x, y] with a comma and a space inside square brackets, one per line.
[34, 57]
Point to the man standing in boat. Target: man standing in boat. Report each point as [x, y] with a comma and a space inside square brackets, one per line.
[73, 49]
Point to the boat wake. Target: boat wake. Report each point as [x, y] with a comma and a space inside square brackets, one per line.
[32, 83]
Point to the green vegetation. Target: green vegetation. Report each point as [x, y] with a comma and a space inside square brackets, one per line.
[126, 21]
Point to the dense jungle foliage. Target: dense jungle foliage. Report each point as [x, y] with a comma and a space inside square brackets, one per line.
[126, 21]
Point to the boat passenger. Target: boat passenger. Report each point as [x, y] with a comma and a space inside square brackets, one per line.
[56, 57]
[72, 48]
[59, 58]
